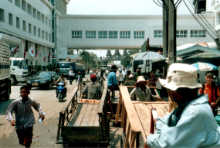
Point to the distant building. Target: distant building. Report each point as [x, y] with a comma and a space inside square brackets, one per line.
[123, 31]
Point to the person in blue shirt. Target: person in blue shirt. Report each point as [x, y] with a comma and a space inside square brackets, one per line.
[112, 80]
[191, 124]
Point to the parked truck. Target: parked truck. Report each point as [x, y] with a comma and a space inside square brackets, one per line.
[5, 83]
[18, 70]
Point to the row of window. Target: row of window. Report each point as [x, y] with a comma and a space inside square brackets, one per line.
[182, 33]
[32, 11]
[108, 34]
[27, 27]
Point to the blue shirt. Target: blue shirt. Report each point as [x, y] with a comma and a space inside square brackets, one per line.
[112, 80]
[196, 128]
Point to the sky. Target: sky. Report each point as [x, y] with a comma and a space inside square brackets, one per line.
[118, 7]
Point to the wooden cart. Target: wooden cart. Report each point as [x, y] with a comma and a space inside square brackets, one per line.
[136, 118]
[84, 123]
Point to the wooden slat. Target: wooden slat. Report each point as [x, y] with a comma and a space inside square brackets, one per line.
[89, 114]
[81, 115]
[102, 101]
[144, 113]
[144, 116]
[119, 110]
[131, 113]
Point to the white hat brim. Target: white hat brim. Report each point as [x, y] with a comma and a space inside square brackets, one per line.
[174, 86]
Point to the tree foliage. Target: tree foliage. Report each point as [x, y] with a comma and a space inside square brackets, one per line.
[88, 59]
[117, 54]
[109, 54]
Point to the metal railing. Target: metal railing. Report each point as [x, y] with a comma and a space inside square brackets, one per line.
[67, 113]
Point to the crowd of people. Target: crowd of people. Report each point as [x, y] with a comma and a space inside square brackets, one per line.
[191, 123]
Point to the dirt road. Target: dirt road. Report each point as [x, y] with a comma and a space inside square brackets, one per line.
[44, 133]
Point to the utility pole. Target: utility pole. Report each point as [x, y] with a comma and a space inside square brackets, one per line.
[171, 32]
[165, 27]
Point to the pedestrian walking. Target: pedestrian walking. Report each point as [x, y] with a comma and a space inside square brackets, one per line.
[112, 81]
[120, 77]
[24, 117]
[71, 76]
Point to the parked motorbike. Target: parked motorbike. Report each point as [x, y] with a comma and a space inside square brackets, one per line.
[61, 91]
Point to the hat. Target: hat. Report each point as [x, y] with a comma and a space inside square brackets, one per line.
[130, 76]
[140, 79]
[93, 76]
[180, 75]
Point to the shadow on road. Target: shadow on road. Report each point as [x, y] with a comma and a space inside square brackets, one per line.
[44, 89]
[4, 106]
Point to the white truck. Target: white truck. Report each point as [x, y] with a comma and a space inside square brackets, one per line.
[18, 70]
[5, 83]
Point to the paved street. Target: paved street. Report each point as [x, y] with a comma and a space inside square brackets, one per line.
[44, 133]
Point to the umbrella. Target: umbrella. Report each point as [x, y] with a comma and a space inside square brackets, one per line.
[202, 66]
[149, 55]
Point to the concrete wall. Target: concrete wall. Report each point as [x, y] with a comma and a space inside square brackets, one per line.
[43, 44]
[97, 23]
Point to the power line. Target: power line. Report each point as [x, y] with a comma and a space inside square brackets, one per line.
[203, 22]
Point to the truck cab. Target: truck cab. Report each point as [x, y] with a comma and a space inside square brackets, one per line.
[18, 70]
[63, 67]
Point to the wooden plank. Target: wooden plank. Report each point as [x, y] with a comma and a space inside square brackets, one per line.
[144, 116]
[88, 115]
[104, 95]
[144, 113]
[94, 121]
[131, 113]
[81, 115]
[119, 110]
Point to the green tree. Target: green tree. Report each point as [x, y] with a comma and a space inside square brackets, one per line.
[125, 61]
[90, 60]
[109, 54]
[117, 54]
[125, 52]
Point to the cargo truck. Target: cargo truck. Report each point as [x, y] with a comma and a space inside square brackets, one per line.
[18, 70]
[5, 82]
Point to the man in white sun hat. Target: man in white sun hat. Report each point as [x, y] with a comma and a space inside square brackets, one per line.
[191, 124]
[141, 92]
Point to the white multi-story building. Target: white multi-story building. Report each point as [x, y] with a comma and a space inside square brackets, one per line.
[215, 4]
[123, 31]
[28, 22]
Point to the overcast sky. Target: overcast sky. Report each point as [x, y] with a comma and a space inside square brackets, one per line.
[117, 7]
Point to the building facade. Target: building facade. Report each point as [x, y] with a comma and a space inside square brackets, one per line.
[216, 7]
[29, 24]
[125, 31]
